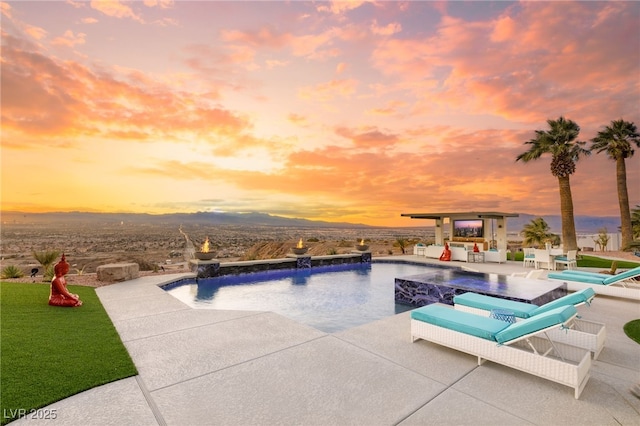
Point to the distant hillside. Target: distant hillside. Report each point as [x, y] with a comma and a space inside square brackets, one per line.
[584, 224]
[208, 218]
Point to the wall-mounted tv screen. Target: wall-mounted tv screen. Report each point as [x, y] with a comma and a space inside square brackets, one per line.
[468, 228]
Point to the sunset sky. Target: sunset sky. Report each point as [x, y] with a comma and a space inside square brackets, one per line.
[338, 111]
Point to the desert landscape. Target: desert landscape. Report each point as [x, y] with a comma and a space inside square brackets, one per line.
[159, 248]
[166, 247]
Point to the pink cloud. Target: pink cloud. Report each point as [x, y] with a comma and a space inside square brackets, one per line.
[509, 68]
[389, 29]
[5, 9]
[339, 7]
[263, 37]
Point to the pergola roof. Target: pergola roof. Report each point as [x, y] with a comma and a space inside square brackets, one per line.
[466, 215]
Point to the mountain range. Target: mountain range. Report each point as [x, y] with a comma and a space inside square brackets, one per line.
[584, 224]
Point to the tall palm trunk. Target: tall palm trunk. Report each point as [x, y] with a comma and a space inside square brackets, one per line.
[566, 211]
[623, 200]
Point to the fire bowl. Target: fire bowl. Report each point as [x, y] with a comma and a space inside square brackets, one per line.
[299, 250]
[205, 256]
[362, 247]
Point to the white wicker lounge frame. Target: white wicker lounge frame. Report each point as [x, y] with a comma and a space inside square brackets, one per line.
[581, 333]
[531, 354]
[613, 290]
[624, 290]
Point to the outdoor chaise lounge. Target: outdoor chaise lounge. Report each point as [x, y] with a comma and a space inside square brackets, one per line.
[624, 284]
[523, 345]
[584, 334]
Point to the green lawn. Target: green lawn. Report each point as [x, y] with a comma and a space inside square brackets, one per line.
[50, 353]
[632, 329]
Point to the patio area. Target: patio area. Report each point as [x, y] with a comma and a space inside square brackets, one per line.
[207, 367]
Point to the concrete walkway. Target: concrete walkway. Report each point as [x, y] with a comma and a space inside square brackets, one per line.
[209, 367]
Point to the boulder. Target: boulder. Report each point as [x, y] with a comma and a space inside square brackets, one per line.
[117, 272]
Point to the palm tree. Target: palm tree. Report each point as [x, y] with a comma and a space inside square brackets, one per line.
[536, 233]
[560, 141]
[635, 222]
[617, 141]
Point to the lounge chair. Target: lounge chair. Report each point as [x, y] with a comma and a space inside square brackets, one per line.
[624, 284]
[529, 258]
[523, 345]
[584, 334]
[542, 256]
[571, 260]
[532, 275]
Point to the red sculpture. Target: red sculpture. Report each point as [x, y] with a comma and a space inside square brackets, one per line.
[446, 253]
[59, 295]
[475, 248]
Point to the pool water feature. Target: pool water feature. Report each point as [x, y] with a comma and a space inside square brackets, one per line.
[328, 298]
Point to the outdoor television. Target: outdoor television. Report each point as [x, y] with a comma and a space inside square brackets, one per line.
[473, 228]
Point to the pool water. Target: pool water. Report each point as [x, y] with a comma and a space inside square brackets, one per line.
[328, 298]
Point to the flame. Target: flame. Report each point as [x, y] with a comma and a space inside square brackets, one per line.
[362, 242]
[205, 246]
[300, 245]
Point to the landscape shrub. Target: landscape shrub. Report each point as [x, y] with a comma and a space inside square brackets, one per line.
[12, 271]
[46, 258]
[48, 273]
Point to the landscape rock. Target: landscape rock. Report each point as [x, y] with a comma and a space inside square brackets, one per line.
[118, 272]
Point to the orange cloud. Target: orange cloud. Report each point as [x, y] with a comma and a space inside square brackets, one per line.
[390, 109]
[328, 91]
[45, 96]
[115, 9]
[69, 39]
[297, 119]
[368, 138]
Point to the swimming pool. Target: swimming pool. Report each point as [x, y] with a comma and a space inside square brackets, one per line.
[329, 298]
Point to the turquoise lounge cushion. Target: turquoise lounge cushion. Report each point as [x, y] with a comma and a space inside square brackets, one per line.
[539, 322]
[488, 303]
[622, 276]
[463, 322]
[585, 273]
[573, 299]
[521, 309]
[590, 279]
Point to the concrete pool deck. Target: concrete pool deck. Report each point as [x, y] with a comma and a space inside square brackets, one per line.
[211, 367]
